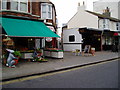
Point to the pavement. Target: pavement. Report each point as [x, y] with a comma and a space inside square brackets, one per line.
[26, 68]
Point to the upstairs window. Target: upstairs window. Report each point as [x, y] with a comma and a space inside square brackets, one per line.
[4, 4]
[24, 5]
[14, 5]
[105, 23]
[118, 26]
[71, 38]
[19, 5]
[46, 11]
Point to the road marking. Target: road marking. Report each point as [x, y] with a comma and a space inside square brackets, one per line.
[49, 74]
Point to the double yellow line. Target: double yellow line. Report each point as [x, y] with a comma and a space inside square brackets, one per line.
[49, 74]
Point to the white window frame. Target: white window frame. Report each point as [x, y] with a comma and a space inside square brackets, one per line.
[117, 25]
[73, 36]
[19, 2]
[11, 5]
[105, 23]
[2, 4]
[47, 11]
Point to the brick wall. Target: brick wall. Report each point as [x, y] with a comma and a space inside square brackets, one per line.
[35, 10]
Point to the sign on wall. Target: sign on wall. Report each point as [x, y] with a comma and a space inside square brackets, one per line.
[51, 28]
[49, 39]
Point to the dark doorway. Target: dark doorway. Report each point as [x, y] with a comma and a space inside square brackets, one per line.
[91, 37]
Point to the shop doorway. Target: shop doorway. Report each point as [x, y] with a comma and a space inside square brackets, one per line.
[92, 39]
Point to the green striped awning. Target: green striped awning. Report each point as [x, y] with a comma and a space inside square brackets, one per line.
[25, 28]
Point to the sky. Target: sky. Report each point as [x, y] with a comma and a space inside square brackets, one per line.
[66, 9]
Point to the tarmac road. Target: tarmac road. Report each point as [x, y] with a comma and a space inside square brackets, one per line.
[103, 75]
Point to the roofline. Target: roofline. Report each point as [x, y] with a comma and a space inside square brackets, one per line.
[103, 16]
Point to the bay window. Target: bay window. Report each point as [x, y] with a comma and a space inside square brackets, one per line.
[46, 11]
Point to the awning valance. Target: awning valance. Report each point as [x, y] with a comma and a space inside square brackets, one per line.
[25, 28]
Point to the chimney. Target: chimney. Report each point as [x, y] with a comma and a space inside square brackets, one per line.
[78, 4]
[81, 6]
[83, 3]
[106, 12]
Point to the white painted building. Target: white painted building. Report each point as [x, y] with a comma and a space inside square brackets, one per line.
[82, 19]
[72, 39]
[94, 24]
[114, 5]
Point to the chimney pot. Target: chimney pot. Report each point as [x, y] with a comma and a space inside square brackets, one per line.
[83, 3]
[79, 4]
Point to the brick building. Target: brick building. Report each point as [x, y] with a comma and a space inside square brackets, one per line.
[41, 10]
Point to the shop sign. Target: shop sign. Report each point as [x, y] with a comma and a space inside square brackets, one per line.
[51, 28]
[59, 39]
[49, 39]
[81, 31]
[116, 34]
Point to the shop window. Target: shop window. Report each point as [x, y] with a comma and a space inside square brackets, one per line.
[71, 38]
[31, 44]
[46, 11]
[4, 4]
[108, 40]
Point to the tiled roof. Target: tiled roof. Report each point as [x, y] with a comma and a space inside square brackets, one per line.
[103, 16]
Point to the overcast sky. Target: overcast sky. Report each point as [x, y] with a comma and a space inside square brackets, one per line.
[66, 9]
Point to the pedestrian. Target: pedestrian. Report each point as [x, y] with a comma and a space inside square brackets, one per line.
[10, 59]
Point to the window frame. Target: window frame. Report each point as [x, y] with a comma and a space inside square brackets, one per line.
[26, 5]
[2, 4]
[19, 6]
[47, 11]
[117, 26]
[106, 23]
[73, 38]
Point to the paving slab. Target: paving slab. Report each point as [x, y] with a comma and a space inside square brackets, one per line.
[24, 68]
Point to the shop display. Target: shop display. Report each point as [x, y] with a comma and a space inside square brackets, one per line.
[53, 53]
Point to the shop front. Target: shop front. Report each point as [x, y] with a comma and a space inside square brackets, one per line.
[26, 35]
[116, 43]
[91, 37]
[100, 39]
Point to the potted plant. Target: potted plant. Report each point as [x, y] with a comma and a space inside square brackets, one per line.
[17, 55]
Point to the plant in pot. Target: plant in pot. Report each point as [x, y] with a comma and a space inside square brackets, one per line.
[17, 55]
[39, 51]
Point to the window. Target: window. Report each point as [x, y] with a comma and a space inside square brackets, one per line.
[14, 5]
[19, 5]
[23, 5]
[71, 38]
[117, 26]
[46, 11]
[105, 23]
[4, 4]
[108, 40]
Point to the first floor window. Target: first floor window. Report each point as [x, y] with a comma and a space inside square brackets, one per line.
[4, 4]
[71, 38]
[19, 5]
[14, 4]
[23, 6]
[46, 11]
[118, 26]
